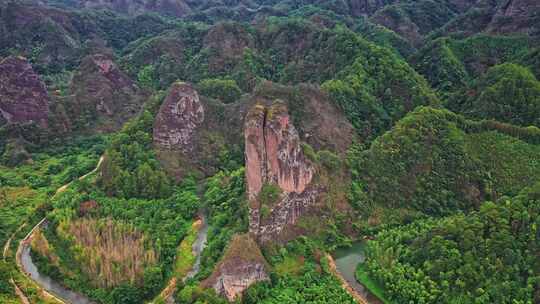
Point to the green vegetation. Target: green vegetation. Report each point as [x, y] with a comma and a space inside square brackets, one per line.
[413, 19]
[226, 204]
[377, 89]
[430, 163]
[184, 256]
[450, 64]
[366, 280]
[269, 195]
[309, 279]
[226, 207]
[484, 257]
[130, 168]
[160, 223]
[24, 198]
[225, 90]
[507, 92]
[149, 223]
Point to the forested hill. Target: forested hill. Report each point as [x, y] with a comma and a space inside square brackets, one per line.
[238, 143]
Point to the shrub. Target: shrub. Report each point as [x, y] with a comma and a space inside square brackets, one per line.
[225, 90]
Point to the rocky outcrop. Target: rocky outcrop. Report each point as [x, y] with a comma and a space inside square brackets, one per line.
[274, 156]
[179, 116]
[47, 35]
[241, 266]
[273, 152]
[226, 42]
[517, 16]
[103, 94]
[23, 96]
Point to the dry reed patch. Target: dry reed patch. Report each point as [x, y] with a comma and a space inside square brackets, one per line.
[111, 252]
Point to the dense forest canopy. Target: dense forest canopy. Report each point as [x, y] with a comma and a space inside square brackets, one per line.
[215, 151]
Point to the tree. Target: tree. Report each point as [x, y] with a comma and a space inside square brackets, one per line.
[126, 294]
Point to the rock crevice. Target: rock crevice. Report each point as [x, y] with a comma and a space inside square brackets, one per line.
[274, 156]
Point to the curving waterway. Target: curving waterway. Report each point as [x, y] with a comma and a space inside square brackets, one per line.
[72, 297]
[346, 260]
[198, 247]
[48, 283]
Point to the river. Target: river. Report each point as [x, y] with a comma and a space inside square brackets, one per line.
[347, 259]
[49, 284]
[71, 297]
[198, 247]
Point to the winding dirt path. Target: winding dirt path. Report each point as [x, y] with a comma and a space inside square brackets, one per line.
[27, 239]
[8, 242]
[19, 292]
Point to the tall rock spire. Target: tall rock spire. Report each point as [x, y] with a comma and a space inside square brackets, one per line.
[275, 159]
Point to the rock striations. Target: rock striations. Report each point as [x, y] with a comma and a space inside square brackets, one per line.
[23, 96]
[274, 157]
[178, 118]
[241, 266]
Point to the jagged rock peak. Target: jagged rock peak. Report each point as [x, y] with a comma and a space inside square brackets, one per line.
[179, 116]
[275, 158]
[273, 151]
[23, 96]
[104, 66]
[241, 266]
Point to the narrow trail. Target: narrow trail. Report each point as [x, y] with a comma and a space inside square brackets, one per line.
[28, 238]
[19, 292]
[8, 242]
[357, 297]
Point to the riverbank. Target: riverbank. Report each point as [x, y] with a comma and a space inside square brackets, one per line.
[362, 276]
[344, 283]
[23, 249]
[187, 259]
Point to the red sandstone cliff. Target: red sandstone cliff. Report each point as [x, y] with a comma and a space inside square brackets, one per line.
[274, 156]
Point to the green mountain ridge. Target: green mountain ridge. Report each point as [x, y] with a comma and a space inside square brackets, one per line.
[240, 142]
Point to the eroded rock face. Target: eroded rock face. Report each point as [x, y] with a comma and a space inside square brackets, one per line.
[516, 16]
[178, 118]
[274, 156]
[241, 266]
[101, 89]
[23, 96]
[273, 151]
[227, 43]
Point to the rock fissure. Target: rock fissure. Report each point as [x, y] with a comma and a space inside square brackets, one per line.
[274, 157]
